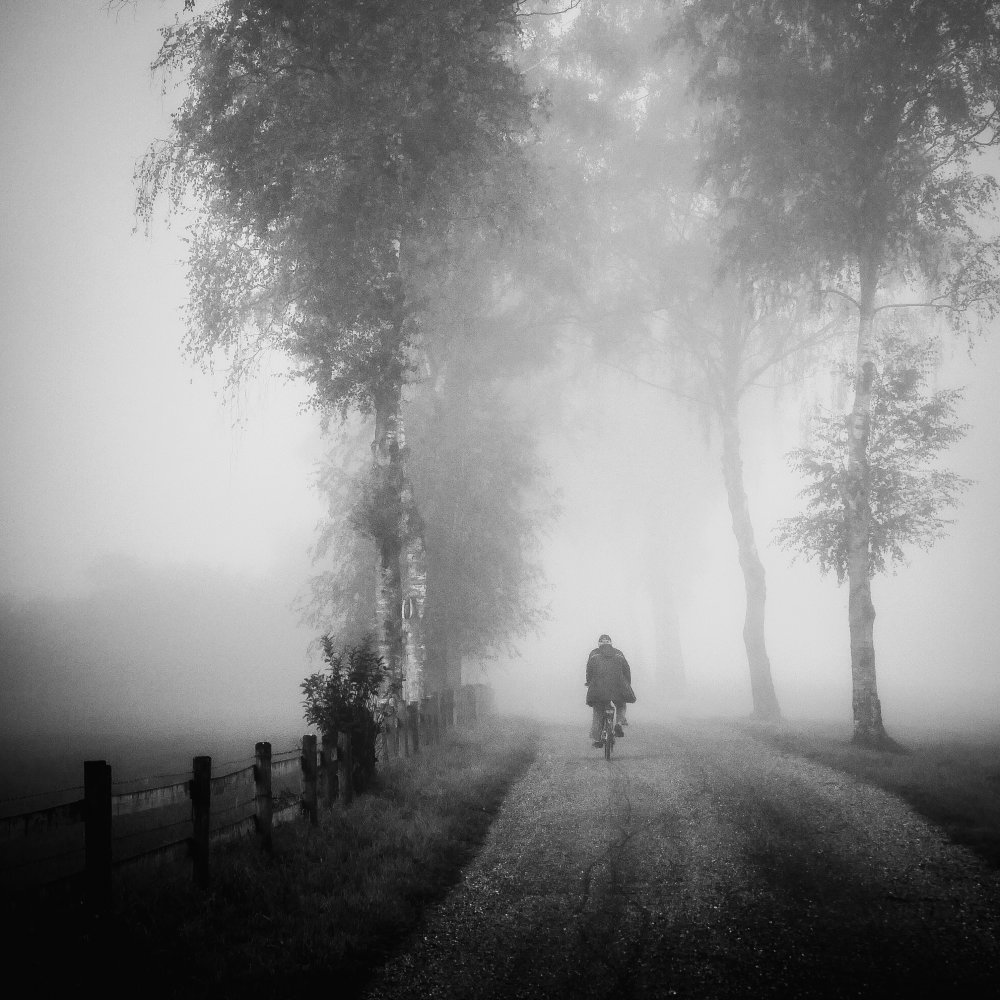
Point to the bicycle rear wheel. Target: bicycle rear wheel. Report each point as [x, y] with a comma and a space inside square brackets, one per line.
[608, 744]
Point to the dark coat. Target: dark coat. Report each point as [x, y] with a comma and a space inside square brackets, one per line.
[608, 675]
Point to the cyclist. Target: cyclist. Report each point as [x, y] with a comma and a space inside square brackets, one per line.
[609, 678]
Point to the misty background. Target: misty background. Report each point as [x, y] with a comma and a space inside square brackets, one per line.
[156, 534]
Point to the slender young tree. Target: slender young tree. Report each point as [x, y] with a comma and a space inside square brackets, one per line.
[338, 153]
[844, 141]
[718, 346]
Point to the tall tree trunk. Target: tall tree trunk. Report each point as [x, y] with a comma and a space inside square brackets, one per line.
[389, 593]
[402, 569]
[867, 709]
[765, 702]
[413, 583]
[401, 561]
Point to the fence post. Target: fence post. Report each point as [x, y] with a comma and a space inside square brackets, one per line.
[345, 768]
[415, 714]
[329, 760]
[309, 778]
[97, 831]
[405, 724]
[262, 780]
[201, 815]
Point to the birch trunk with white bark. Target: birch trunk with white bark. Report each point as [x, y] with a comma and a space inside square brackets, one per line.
[389, 592]
[867, 709]
[413, 584]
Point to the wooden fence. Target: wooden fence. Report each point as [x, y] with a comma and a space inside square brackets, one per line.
[87, 840]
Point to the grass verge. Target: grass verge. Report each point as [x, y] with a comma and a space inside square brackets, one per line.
[324, 908]
[952, 780]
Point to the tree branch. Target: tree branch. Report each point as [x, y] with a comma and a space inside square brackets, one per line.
[836, 291]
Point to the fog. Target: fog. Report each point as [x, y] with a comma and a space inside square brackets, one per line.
[155, 534]
[936, 631]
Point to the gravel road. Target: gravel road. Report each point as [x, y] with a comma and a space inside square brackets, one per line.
[703, 863]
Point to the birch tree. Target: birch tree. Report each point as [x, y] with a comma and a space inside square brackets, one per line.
[845, 141]
[337, 153]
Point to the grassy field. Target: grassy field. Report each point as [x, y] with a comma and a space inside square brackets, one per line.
[324, 907]
[953, 780]
[37, 771]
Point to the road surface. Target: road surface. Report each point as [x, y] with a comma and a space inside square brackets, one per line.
[703, 863]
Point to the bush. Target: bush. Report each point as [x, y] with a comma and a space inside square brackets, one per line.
[346, 697]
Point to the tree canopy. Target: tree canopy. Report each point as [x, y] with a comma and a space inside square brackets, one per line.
[845, 136]
[336, 151]
[844, 146]
[485, 508]
[910, 428]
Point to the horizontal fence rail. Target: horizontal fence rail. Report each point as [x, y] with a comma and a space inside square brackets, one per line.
[84, 841]
[40, 821]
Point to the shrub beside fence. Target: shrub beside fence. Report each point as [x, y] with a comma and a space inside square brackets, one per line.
[84, 842]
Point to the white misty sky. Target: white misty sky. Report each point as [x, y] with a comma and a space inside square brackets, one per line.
[112, 443]
[111, 440]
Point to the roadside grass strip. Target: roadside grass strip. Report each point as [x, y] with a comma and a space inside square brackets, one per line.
[952, 780]
[326, 906]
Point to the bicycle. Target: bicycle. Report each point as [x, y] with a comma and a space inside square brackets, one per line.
[608, 729]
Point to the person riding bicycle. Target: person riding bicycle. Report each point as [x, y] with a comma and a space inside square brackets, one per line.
[609, 678]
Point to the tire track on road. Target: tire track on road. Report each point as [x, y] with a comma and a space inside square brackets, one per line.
[700, 863]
